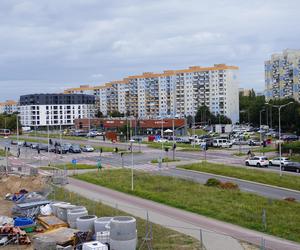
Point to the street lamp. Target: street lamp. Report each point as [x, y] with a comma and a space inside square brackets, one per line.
[279, 129]
[131, 142]
[260, 139]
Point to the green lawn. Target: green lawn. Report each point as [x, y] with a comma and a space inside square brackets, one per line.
[295, 158]
[251, 174]
[235, 207]
[165, 159]
[2, 153]
[163, 238]
[71, 166]
[264, 150]
[21, 138]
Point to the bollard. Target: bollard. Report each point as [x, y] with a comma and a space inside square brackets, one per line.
[201, 240]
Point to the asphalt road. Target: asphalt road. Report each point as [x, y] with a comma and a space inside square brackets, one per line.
[142, 162]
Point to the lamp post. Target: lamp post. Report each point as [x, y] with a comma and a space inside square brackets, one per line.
[260, 137]
[131, 149]
[279, 130]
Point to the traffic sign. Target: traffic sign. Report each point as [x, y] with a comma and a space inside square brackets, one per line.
[157, 137]
[74, 161]
[99, 165]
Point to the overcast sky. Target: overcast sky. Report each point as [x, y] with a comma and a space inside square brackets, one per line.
[47, 46]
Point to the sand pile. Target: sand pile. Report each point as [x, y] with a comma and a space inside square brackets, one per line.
[13, 184]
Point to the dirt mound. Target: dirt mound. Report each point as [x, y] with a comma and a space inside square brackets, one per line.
[13, 184]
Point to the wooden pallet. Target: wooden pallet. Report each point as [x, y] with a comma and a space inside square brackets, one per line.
[51, 222]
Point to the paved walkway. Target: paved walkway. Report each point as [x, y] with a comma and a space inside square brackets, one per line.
[214, 232]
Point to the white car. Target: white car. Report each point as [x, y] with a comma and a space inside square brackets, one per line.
[87, 148]
[258, 161]
[276, 161]
[161, 140]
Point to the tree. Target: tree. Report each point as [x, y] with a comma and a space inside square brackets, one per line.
[116, 113]
[203, 115]
[99, 114]
[9, 122]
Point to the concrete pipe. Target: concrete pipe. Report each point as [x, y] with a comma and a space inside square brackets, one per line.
[54, 206]
[101, 224]
[123, 228]
[86, 223]
[73, 215]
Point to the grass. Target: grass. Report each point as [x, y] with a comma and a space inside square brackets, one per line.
[2, 153]
[29, 139]
[295, 158]
[163, 238]
[70, 166]
[286, 181]
[235, 207]
[264, 150]
[239, 154]
[165, 159]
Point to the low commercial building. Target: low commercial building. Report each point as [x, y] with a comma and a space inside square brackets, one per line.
[8, 107]
[38, 110]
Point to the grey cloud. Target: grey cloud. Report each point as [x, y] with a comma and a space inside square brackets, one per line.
[49, 45]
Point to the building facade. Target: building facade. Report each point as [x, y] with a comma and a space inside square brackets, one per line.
[282, 74]
[55, 109]
[173, 93]
[8, 107]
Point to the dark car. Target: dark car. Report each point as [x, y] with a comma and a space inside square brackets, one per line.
[27, 144]
[51, 148]
[291, 166]
[75, 149]
[34, 145]
[254, 143]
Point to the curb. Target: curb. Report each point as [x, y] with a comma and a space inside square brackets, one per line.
[237, 179]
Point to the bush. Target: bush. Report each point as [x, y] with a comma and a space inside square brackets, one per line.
[290, 199]
[294, 146]
[212, 182]
[229, 185]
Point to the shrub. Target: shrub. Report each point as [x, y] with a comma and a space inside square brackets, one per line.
[290, 199]
[213, 182]
[229, 185]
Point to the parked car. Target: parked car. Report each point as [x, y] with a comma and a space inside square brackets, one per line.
[222, 143]
[27, 144]
[75, 149]
[52, 148]
[291, 166]
[276, 161]
[258, 161]
[182, 140]
[289, 137]
[87, 148]
[162, 140]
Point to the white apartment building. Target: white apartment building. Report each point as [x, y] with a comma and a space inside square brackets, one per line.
[282, 75]
[176, 93]
[55, 109]
[8, 107]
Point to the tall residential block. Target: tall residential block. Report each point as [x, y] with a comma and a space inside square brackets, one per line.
[172, 93]
[282, 74]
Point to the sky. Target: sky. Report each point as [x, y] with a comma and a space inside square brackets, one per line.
[47, 46]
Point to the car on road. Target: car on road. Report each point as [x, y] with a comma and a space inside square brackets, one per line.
[87, 148]
[276, 161]
[61, 150]
[27, 144]
[254, 143]
[91, 134]
[67, 145]
[75, 149]
[292, 166]
[162, 140]
[182, 140]
[258, 161]
[34, 145]
[222, 143]
[43, 147]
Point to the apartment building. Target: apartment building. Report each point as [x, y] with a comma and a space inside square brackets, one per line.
[174, 93]
[282, 74]
[55, 109]
[8, 107]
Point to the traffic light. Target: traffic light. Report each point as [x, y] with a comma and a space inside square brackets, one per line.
[101, 150]
[174, 146]
[116, 150]
[122, 153]
[166, 149]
